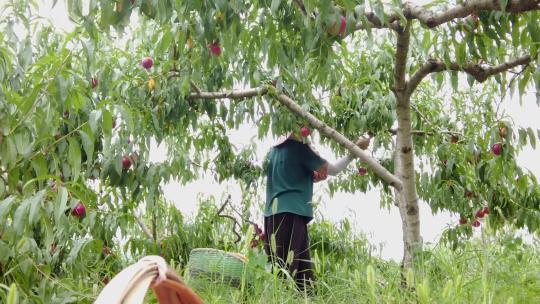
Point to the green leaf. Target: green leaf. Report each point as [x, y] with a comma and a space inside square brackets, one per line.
[22, 143]
[35, 204]
[274, 6]
[11, 151]
[13, 296]
[460, 54]
[378, 9]
[481, 46]
[39, 164]
[79, 244]
[61, 203]
[532, 137]
[74, 158]
[5, 207]
[522, 84]
[522, 136]
[20, 216]
[95, 116]
[5, 251]
[534, 29]
[88, 145]
[454, 79]
[107, 123]
[515, 34]
[2, 187]
[503, 4]
[74, 9]
[426, 41]
[128, 117]
[117, 163]
[165, 41]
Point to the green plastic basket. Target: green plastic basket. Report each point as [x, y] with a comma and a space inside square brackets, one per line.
[216, 265]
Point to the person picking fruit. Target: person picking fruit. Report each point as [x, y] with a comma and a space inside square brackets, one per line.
[292, 167]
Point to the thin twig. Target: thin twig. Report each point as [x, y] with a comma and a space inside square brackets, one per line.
[195, 87]
[235, 222]
[143, 227]
[438, 129]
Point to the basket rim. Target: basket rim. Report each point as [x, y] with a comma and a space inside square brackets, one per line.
[213, 250]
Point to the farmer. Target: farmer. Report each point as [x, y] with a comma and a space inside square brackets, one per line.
[292, 168]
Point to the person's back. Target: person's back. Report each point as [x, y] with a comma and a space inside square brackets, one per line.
[291, 169]
[290, 178]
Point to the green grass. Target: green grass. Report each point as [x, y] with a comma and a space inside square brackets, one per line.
[499, 268]
[493, 269]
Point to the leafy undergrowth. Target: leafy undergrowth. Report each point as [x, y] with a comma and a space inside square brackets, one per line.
[498, 268]
[485, 270]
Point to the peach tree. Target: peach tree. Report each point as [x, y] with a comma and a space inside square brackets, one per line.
[425, 81]
[78, 111]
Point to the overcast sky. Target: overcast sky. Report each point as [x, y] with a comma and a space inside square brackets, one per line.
[382, 226]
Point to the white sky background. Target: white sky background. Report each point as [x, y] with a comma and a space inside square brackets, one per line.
[382, 226]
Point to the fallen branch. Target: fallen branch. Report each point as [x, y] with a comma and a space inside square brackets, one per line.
[480, 72]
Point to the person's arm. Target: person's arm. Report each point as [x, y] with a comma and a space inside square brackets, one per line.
[341, 164]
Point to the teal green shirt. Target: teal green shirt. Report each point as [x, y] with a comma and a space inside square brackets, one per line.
[289, 185]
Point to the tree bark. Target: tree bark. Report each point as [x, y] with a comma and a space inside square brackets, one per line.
[432, 19]
[407, 258]
[480, 72]
[408, 197]
[409, 211]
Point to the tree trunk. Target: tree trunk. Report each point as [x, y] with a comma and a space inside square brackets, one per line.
[400, 203]
[407, 199]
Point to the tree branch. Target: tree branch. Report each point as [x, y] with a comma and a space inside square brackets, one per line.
[480, 72]
[339, 138]
[143, 227]
[433, 19]
[402, 50]
[392, 22]
[424, 133]
[319, 125]
[233, 94]
[194, 87]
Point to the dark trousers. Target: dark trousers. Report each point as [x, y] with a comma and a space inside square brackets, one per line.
[292, 245]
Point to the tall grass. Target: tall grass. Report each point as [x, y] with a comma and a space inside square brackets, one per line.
[492, 268]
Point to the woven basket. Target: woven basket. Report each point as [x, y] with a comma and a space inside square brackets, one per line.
[217, 265]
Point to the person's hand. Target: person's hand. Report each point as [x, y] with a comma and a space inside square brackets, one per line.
[318, 176]
[363, 143]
